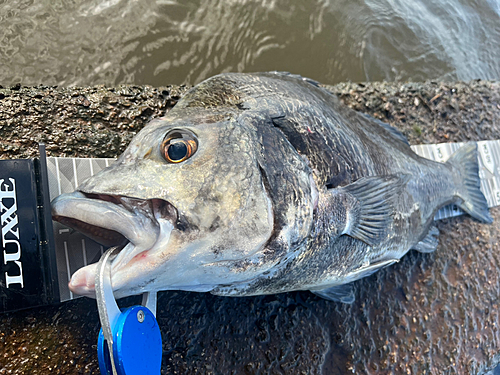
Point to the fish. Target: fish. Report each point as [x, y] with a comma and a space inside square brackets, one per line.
[264, 183]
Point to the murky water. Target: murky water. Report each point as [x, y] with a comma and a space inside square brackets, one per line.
[172, 42]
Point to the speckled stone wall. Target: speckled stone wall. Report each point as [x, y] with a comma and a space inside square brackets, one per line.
[429, 314]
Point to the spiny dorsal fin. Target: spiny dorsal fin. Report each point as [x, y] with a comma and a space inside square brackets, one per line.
[392, 130]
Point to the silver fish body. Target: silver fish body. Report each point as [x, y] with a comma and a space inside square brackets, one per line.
[275, 187]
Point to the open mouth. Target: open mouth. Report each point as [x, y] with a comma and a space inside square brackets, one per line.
[140, 226]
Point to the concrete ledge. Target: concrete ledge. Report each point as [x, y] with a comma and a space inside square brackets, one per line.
[430, 314]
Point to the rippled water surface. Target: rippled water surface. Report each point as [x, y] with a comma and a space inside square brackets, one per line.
[172, 42]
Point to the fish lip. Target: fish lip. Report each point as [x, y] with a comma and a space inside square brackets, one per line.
[80, 209]
[133, 223]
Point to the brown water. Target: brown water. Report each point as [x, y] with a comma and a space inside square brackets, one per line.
[173, 42]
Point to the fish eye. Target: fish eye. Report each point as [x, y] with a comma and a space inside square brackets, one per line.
[178, 146]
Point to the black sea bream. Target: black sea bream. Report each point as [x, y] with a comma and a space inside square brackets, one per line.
[264, 183]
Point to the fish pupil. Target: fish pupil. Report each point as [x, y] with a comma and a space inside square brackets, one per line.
[177, 151]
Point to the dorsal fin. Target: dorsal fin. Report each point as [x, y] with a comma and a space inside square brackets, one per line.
[392, 130]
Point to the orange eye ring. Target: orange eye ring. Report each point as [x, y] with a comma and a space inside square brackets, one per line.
[178, 146]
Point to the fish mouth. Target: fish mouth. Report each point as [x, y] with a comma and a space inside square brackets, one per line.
[141, 227]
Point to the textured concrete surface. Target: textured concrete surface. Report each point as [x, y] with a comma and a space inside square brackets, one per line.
[429, 314]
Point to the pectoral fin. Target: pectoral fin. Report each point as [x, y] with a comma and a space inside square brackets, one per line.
[372, 209]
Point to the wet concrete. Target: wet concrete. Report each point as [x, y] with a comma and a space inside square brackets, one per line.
[429, 314]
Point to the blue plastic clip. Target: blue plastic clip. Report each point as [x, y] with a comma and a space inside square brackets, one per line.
[130, 340]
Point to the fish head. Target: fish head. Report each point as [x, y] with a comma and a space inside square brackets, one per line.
[186, 199]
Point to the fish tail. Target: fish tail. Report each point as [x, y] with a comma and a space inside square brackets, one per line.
[465, 161]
